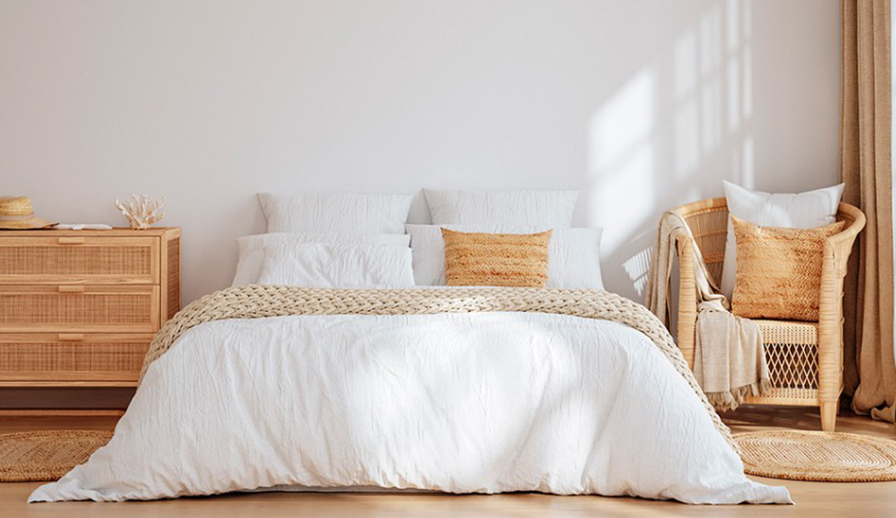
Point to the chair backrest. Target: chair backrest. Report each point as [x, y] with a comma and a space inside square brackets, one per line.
[708, 222]
[849, 214]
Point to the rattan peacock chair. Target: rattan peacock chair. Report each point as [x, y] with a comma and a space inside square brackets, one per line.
[805, 359]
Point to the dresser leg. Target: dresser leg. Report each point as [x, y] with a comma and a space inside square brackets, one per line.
[828, 415]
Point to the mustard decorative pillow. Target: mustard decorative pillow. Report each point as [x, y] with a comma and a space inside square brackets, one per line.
[476, 259]
[779, 270]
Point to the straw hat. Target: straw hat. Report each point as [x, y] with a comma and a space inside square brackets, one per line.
[16, 213]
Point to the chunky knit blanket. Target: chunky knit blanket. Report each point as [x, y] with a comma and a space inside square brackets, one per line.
[259, 301]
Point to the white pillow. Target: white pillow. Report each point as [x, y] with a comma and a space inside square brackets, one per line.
[573, 253]
[336, 212]
[551, 209]
[251, 260]
[319, 265]
[804, 210]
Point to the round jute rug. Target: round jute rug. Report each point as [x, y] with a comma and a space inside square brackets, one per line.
[818, 456]
[46, 455]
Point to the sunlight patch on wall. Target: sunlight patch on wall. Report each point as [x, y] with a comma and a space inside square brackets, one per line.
[748, 174]
[685, 65]
[746, 55]
[710, 45]
[687, 116]
[622, 160]
[748, 82]
[731, 25]
[650, 151]
[733, 94]
[637, 268]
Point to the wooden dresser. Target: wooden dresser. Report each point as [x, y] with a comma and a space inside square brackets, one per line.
[79, 308]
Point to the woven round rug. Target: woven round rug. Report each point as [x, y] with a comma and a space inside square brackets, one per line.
[46, 455]
[818, 456]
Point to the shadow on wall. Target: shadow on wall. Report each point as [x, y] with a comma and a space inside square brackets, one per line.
[649, 151]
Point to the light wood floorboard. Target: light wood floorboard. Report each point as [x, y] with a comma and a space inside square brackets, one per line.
[817, 500]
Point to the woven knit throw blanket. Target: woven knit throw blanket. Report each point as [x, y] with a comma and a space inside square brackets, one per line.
[259, 301]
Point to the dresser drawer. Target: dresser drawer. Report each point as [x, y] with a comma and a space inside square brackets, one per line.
[71, 357]
[79, 309]
[79, 259]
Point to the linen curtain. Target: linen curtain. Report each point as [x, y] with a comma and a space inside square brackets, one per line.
[866, 169]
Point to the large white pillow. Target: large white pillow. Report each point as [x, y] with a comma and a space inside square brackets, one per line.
[336, 212]
[251, 258]
[573, 253]
[803, 210]
[550, 209]
[319, 265]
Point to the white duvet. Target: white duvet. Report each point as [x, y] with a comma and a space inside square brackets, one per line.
[462, 403]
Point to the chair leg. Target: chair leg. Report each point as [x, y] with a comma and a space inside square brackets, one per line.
[828, 415]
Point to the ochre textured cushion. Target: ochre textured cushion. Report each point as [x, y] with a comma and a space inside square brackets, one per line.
[779, 270]
[475, 259]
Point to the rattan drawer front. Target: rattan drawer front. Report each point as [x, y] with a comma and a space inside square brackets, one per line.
[76, 259]
[71, 357]
[79, 309]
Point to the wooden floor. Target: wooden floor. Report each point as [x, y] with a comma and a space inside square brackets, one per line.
[815, 500]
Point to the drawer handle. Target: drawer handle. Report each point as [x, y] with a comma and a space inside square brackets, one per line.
[71, 337]
[70, 240]
[71, 289]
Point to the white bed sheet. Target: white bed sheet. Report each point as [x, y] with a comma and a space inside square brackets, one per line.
[462, 403]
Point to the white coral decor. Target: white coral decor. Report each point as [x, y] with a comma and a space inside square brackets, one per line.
[141, 210]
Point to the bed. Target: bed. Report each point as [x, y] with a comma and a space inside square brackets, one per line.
[470, 391]
[291, 384]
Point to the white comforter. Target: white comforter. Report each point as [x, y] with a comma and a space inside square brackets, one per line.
[462, 403]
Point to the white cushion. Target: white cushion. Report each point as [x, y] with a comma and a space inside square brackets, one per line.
[336, 212]
[320, 265]
[551, 209]
[573, 253]
[251, 258]
[804, 210]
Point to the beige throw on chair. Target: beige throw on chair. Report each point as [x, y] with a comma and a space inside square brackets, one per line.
[729, 360]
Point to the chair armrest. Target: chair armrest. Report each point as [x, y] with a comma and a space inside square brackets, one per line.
[837, 249]
[839, 246]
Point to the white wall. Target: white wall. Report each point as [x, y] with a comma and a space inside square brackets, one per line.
[643, 105]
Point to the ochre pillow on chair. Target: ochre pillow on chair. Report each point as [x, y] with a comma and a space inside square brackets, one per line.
[779, 270]
[475, 259]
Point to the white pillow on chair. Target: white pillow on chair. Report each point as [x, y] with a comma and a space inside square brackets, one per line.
[809, 209]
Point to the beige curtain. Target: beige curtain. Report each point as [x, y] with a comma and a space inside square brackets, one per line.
[866, 168]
